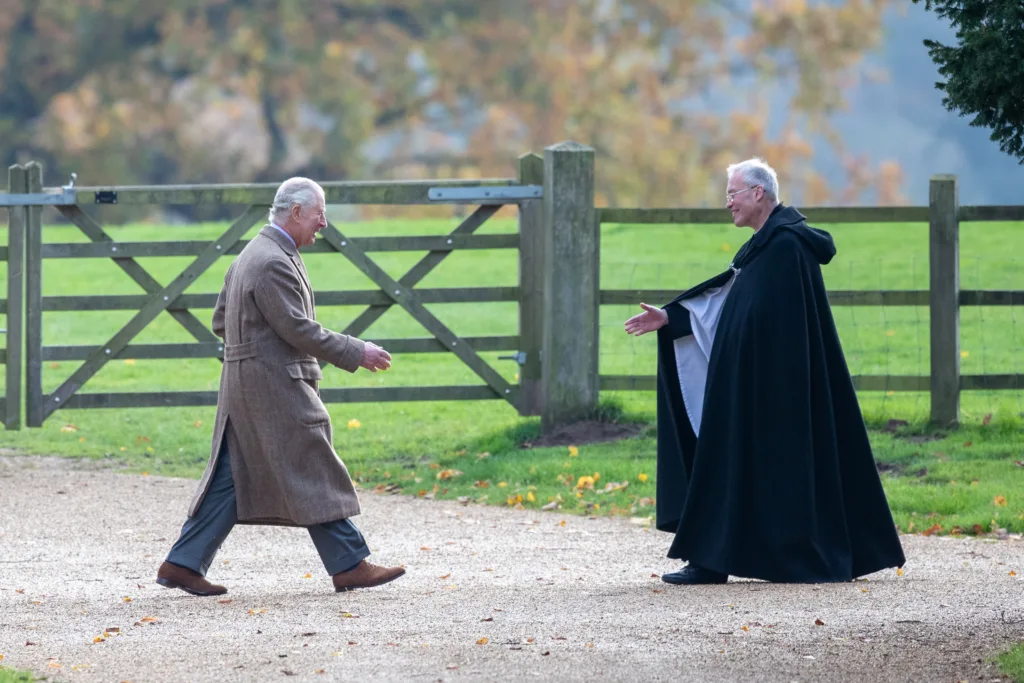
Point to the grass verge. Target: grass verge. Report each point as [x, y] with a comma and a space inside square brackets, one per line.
[1011, 663]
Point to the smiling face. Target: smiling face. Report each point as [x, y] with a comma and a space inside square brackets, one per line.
[306, 222]
[745, 202]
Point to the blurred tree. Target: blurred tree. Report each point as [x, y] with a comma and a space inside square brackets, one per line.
[984, 72]
[126, 91]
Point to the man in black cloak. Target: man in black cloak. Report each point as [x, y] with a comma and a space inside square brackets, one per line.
[764, 466]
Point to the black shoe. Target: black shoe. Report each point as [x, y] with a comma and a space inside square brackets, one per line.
[693, 574]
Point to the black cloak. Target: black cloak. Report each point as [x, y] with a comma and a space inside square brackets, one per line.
[781, 484]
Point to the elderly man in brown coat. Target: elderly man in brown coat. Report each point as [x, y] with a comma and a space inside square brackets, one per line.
[272, 460]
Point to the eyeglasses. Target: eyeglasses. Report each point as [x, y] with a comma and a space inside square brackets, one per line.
[729, 196]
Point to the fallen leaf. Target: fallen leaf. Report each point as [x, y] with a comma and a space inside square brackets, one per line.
[112, 629]
[931, 530]
[225, 601]
[482, 641]
[819, 622]
[354, 424]
[447, 474]
[98, 639]
[129, 361]
[69, 428]
[642, 477]
[487, 619]
[1013, 573]
[198, 423]
[985, 420]
[126, 599]
[744, 627]
[258, 611]
[562, 523]
[1000, 501]
[899, 571]
[308, 634]
[546, 653]
[424, 548]
[573, 451]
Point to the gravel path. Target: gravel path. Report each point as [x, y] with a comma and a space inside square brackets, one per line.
[490, 594]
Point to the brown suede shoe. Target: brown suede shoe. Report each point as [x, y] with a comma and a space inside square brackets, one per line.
[365, 575]
[172, 576]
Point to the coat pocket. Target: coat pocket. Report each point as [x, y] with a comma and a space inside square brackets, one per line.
[304, 369]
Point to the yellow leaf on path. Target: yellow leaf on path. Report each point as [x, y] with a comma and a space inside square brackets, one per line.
[445, 576]
[98, 639]
[899, 571]
[1, 658]
[482, 641]
[54, 665]
[126, 599]
[745, 627]
[1013, 573]
[562, 523]
[308, 576]
[150, 620]
[642, 477]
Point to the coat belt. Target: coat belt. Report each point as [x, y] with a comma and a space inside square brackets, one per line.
[239, 351]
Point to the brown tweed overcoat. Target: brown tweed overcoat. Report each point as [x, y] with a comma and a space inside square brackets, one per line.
[279, 434]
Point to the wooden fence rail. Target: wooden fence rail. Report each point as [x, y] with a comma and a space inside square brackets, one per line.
[943, 298]
[558, 292]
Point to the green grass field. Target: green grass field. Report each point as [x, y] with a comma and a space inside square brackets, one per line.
[963, 481]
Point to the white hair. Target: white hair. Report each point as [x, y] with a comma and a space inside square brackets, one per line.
[756, 172]
[294, 191]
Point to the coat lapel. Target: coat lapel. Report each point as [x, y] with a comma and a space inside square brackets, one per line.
[282, 241]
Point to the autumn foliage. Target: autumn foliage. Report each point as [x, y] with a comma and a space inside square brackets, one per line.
[667, 92]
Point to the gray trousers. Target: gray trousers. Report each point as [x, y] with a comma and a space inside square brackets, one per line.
[339, 543]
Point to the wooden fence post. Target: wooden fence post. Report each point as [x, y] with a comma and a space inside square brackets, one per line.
[569, 368]
[34, 302]
[944, 298]
[17, 183]
[531, 287]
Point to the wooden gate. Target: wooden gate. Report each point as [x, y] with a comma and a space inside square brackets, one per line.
[172, 297]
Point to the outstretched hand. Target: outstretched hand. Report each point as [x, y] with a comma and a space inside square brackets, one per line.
[375, 358]
[650, 320]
